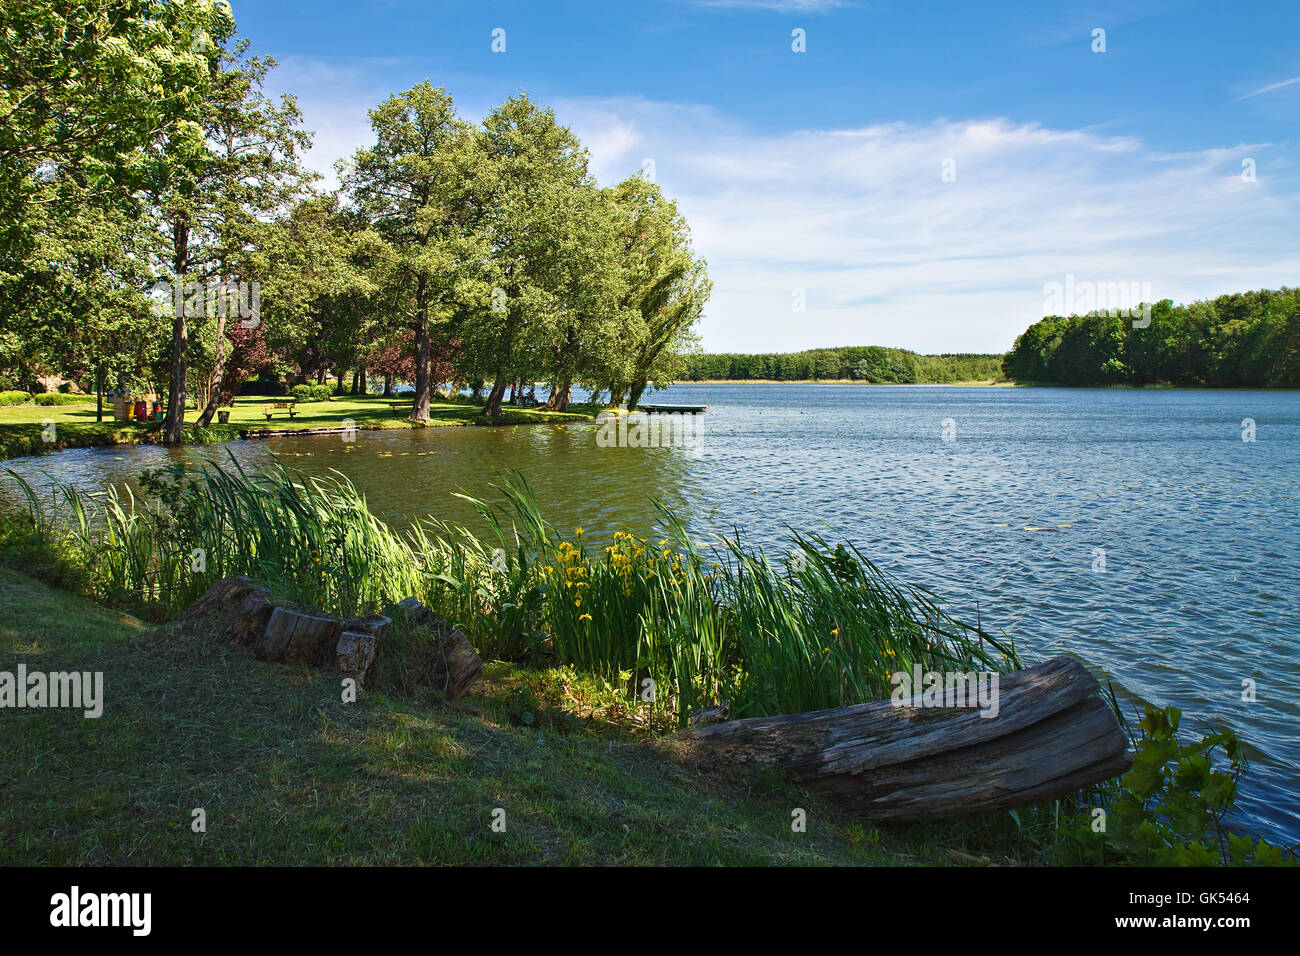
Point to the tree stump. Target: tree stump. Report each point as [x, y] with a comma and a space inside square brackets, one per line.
[244, 614]
[459, 665]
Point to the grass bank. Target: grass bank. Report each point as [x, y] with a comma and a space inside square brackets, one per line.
[288, 774]
[33, 429]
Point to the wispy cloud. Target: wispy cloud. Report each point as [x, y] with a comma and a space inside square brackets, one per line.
[1270, 88]
[887, 252]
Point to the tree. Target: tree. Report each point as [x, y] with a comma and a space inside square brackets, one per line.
[416, 188]
[667, 284]
[209, 199]
[90, 84]
[532, 173]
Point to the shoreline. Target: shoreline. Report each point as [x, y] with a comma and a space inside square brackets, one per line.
[23, 427]
[835, 381]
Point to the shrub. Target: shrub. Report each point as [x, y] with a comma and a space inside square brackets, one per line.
[1171, 808]
[312, 393]
[15, 398]
[59, 398]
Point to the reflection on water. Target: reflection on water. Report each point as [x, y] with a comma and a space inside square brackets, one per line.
[1134, 529]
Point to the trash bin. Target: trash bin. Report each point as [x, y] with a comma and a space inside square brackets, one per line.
[158, 411]
[223, 416]
[141, 411]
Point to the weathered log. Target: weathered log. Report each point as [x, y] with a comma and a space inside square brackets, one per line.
[458, 665]
[1052, 734]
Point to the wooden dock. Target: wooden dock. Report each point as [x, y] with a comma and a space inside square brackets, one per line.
[671, 409]
[291, 432]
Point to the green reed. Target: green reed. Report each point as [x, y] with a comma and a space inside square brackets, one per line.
[683, 626]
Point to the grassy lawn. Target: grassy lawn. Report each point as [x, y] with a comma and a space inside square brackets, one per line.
[23, 427]
[288, 773]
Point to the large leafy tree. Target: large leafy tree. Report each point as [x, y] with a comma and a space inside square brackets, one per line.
[667, 285]
[89, 84]
[207, 199]
[531, 188]
[416, 187]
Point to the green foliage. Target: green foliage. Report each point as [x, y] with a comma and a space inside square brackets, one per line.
[1171, 808]
[1249, 339]
[63, 398]
[871, 364]
[15, 398]
[312, 393]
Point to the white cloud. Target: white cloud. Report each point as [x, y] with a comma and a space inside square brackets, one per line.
[1270, 88]
[888, 253]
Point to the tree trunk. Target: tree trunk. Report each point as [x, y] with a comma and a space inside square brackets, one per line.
[637, 391]
[493, 407]
[420, 408]
[218, 373]
[99, 392]
[388, 385]
[1052, 734]
[457, 665]
[559, 398]
[174, 423]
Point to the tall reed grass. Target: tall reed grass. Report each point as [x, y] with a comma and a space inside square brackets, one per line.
[683, 626]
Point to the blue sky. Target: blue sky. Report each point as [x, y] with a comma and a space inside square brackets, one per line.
[819, 176]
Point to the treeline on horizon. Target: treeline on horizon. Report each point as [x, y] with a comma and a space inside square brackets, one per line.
[1245, 339]
[872, 364]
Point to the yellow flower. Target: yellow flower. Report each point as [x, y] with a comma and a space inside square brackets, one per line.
[584, 617]
[835, 632]
[577, 531]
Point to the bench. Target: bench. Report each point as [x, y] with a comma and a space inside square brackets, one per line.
[408, 406]
[270, 408]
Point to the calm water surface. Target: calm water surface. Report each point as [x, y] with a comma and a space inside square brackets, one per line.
[1194, 588]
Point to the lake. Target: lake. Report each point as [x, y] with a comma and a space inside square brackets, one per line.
[1136, 530]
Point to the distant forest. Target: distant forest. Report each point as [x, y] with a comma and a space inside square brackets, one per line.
[860, 363]
[1247, 339]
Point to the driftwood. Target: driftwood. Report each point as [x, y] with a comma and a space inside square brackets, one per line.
[244, 614]
[1053, 734]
